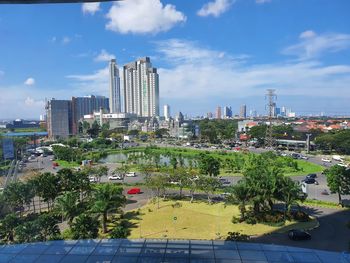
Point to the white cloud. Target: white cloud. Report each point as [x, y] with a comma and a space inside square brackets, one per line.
[95, 83]
[215, 8]
[29, 81]
[262, 1]
[206, 76]
[104, 56]
[307, 34]
[90, 8]
[66, 40]
[143, 16]
[312, 45]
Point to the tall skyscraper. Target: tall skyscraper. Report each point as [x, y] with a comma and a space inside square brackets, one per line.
[59, 118]
[166, 111]
[141, 88]
[227, 112]
[86, 105]
[114, 87]
[243, 111]
[218, 112]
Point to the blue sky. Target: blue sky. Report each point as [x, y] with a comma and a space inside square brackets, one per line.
[208, 52]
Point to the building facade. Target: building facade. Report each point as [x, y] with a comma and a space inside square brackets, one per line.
[227, 112]
[243, 111]
[141, 88]
[59, 118]
[114, 87]
[166, 112]
[86, 105]
[218, 112]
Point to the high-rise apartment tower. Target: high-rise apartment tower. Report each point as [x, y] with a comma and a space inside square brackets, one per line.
[141, 88]
[114, 87]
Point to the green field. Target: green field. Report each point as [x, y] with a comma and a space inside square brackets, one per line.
[305, 167]
[197, 220]
[65, 164]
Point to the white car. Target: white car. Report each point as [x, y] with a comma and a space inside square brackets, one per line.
[130, 174]
[93, 179]
[326, 160]
[115, 177]
[342, 164]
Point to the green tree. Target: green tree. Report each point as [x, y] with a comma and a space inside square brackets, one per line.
[209, 165]
[49, 229]
[158, 184]
[208, 185]
[338, 181]
[240, 193]
[15, 195]
[94, 130]
[67, 204]
[7, 227]
[48, 188]
[28, 232]
[173, 162]
[107, 197]
[85, 226]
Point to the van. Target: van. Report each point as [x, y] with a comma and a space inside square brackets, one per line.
[130, 174]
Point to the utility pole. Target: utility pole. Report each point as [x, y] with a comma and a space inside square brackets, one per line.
[271, 97]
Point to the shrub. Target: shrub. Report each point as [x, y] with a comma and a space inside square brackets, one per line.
[120, 231]
[251, 220]
[235, 220]
[176, 205]
[236, 236]
[300, 216]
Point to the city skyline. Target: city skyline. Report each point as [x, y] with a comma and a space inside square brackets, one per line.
[301, 56]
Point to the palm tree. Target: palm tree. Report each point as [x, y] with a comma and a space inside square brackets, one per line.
[85, 226]
[241, 194]
[107, 197]
[67, 205]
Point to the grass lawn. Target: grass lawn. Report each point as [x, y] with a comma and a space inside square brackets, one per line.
[197, 220]
[65, 164]
[306, 168]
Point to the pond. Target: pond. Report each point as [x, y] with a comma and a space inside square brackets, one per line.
[141, 158]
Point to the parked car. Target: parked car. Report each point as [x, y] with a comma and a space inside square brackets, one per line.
[310, 181]
[134, 191]
[131, 174]
[311, 176]
[296, 155]
[115, 177]
[326, 160]
[93, 179]
[304, 157]
[298, 234]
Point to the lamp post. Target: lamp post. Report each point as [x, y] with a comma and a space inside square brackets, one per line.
[308, 142]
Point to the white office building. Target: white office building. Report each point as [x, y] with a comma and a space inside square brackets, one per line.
[114, 87]
[141, 88]
[166, 111]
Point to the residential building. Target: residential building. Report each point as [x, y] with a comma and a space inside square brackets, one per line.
[243, 111]
[59, 118]
[209, 115]
[166, 112]
[141, 88]
[114, 87]
[218, 113]
[86, 105]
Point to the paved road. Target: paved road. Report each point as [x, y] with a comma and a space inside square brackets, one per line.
[333, 234]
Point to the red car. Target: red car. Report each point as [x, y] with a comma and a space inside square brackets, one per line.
[134, 191]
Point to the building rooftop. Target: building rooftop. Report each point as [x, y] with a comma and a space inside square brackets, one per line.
[156, 250]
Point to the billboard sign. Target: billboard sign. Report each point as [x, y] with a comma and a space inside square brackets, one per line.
[8, 148]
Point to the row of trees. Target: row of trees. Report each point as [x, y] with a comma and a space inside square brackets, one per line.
[69, 196]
